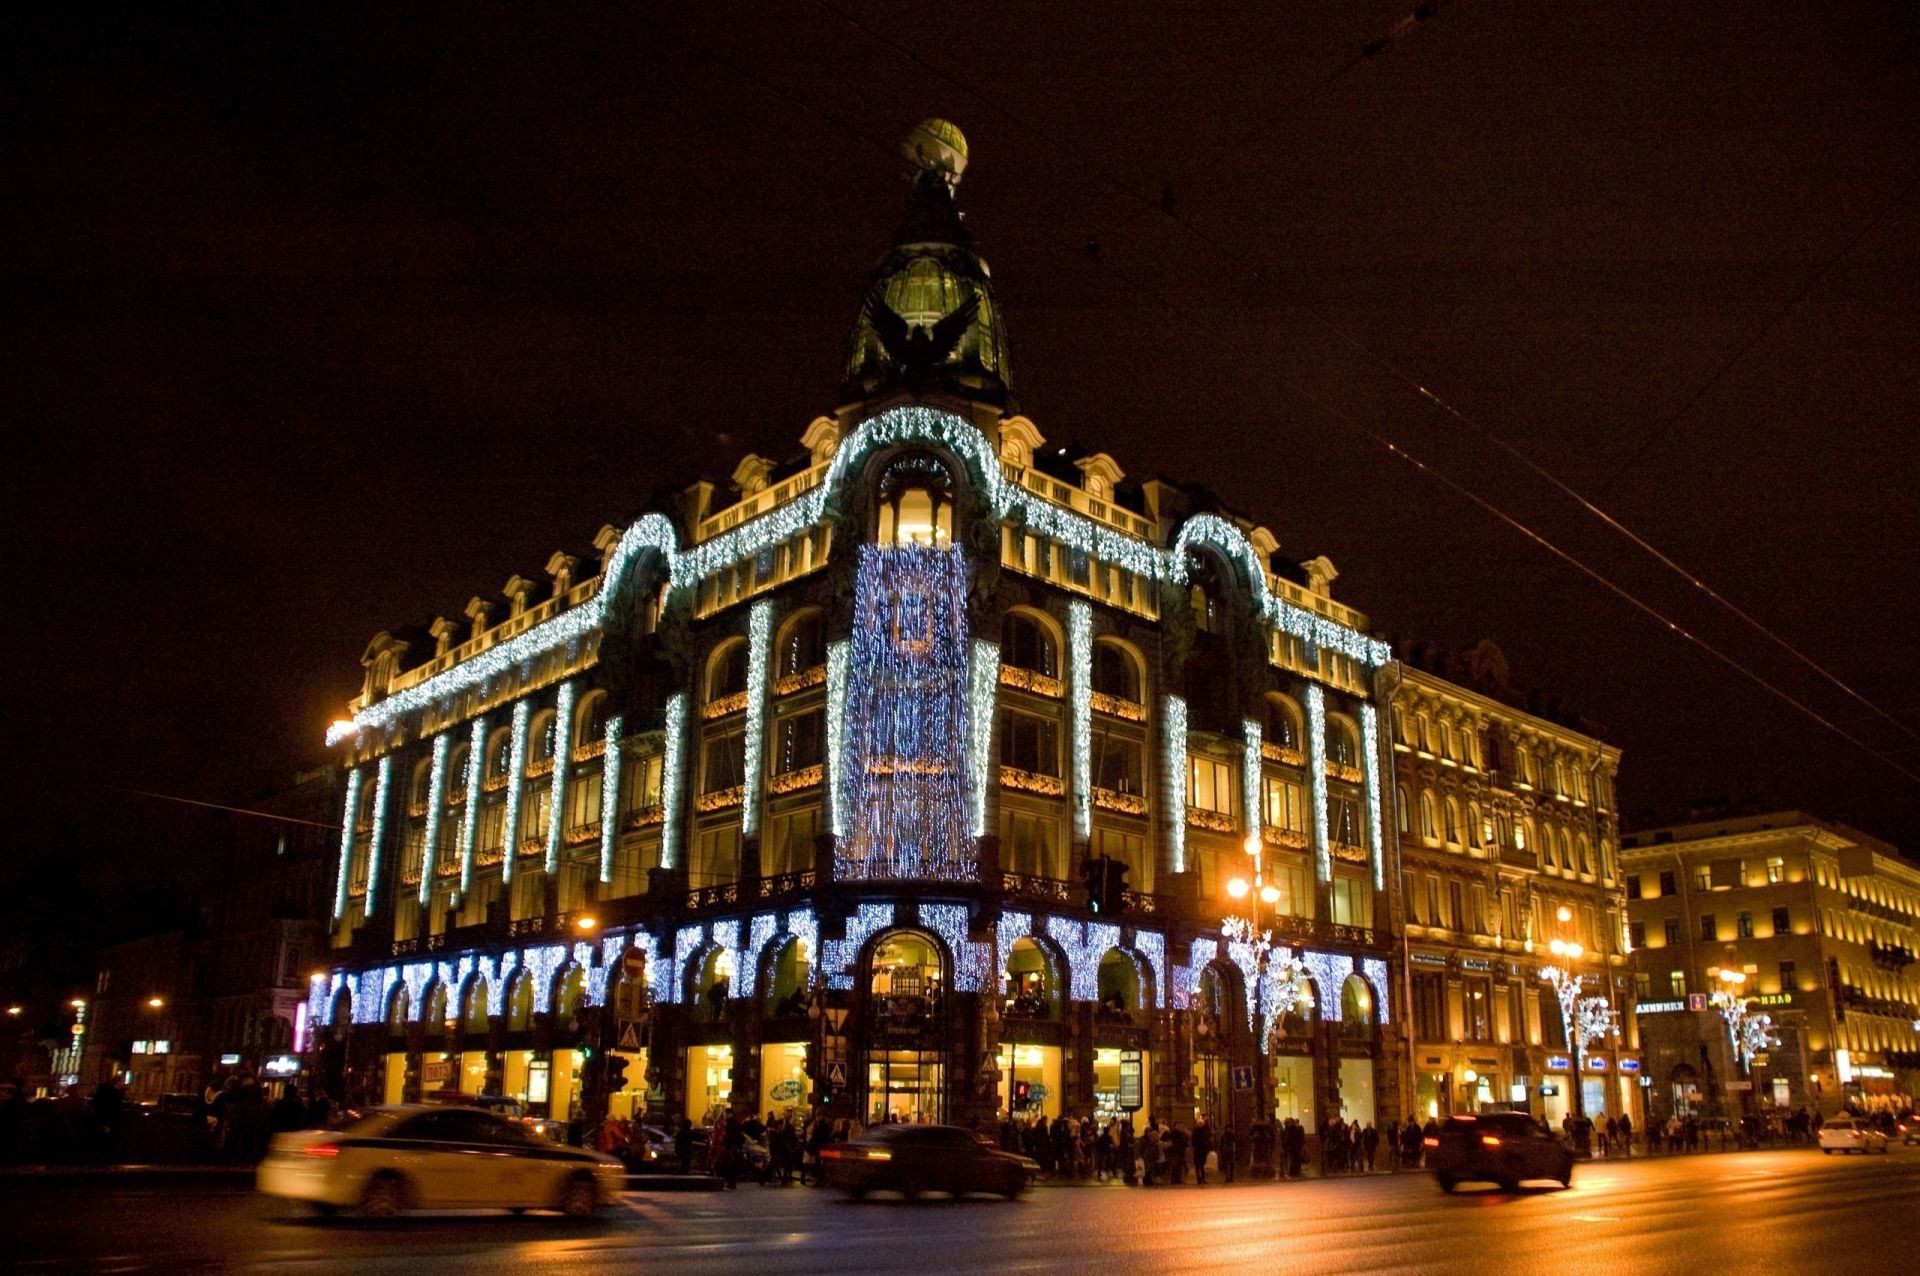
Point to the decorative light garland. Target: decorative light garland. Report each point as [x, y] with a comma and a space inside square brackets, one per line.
[356, 776]
[1186, 979]
[1280, 991]
[838, 955]
[1370, 759]
[805, 928]
[370, 993]
[1244, 953]
[610, 796]
[416, 975]
[1152, 947]
[686, 942]
[1176, 782]
[1085, 944]
[838, 655]
[1329, 971]
[1317, 778]
[1014, 926]
[673, 750]
[516, 765]
[983, 670]
[562, 755]
[382, 785]
[971, 960]
[760, 932]
[470, 834]
[759, 640]
[1080, 691]
[1374, 971]
[898, 426]
[1250, 774]
[499, 979]
[543, 963]
[436, 800]
[907, 686]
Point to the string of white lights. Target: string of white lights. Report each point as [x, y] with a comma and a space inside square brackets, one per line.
[1250, 777]
[356, 776]
[1176, 782]
[838, 654]
[759, 639]
[516, 763]
[382, 786]
[670, 786]
[983, 675]
[1317, 779]
[1370, 759]
[470, 835]
[436, 800]
[1080, 691]
[610, 796]
[562, 760]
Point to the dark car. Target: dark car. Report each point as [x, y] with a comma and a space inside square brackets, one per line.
[1507, 1148]
[911, 1159]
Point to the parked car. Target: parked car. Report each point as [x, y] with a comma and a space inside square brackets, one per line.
[1507, 1148]
[425, 1156]
[1846, 1135]
[1908, 1128]
[911, 1159]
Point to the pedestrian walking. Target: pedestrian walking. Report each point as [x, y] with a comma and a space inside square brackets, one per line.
[1202, 1142]
[1229, 1153]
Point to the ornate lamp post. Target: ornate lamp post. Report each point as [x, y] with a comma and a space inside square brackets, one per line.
[1271, 998]
[1585, 1018]
[1747, 1032]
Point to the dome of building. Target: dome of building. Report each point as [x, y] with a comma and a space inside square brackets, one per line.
[928, 319]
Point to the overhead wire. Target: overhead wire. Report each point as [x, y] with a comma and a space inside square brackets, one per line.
[1397, 31]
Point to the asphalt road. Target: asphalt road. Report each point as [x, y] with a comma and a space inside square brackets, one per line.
[1790, 1211]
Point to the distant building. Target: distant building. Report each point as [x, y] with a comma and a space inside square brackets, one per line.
[1819, 921]
[231, 988]
[1507, 816]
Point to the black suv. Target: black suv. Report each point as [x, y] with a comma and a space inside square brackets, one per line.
[1498, 1147]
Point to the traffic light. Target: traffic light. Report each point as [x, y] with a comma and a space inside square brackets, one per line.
[628, 1074]
[1106, 880]
[1022, 1095]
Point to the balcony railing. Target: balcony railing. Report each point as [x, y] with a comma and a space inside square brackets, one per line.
[722, 799]
[644, 817]
[583, 834]
[1118, 802]
[1012, 777]
[794, 781]
[1115, 707]
[788, 683]
[1039, 684]
[721, 706]
[778, 884]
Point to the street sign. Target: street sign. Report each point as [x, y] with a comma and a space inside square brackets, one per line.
[837, 1075]
[1738, 1085]
[634, 964]
[629, 1037]
[1696, 1001]
[1243, 1078]
[836, 1017]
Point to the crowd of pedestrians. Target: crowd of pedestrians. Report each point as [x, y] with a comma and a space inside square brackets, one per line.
[230, 1123]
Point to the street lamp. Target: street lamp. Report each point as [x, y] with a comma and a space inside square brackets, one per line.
[1585, 1018]
[154, 1003]
[586, 923]
[1248, 930]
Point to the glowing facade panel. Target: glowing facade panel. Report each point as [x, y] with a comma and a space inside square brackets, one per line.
[1317, 779]
[470, 833]
[983, 679]
[1176, 782]
[355, 778]
[759, 640]
[1080, 705]
[610, 796]
[670, 779]
[382, 790]
[516, 766]
[562, 759]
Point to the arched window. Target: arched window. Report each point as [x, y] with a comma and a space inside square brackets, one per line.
[789, 979]
[397, 1012]
[1452, 826]
[1405, 807]
[1119, 985]
[421, 786]
[1342, 747]
[1356, 1008]
[727, 670]
[573, 992]
[803, 644]
[1206, 595]
[541, 738]
[590, 719]
[1025, 643]
[520, 1005]
[1283, 723]
[457, 761]
[916, 502]
[713, 982]
[1477, 836]
[1115, 673]
[499, 754]
[1031, 989]
[476, 1007]
[1429, 823]
[907, 975]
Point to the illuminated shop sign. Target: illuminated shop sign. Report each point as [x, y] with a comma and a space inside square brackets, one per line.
[1558, 1063]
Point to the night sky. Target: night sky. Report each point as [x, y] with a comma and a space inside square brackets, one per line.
[322, 324]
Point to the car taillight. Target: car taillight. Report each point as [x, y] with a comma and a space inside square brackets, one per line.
[1490, 1140]
[322, 1149]
[831, 1154]
[1431, 1143]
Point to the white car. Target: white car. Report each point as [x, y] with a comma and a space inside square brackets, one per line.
[1851, 1136]
[431, 1157]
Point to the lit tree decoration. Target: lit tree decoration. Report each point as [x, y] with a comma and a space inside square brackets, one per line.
[1587, 1019]
[1749, 1034]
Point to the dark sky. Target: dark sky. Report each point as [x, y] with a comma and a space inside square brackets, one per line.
[319, 324]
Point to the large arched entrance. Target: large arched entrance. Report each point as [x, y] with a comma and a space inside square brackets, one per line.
[905, 985]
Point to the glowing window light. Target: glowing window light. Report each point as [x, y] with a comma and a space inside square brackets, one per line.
[382, 785]
[1080, 691]
[1329, 971]
[436, 799]
[1176, 782]
[516, 763]
[355, 778]
[759, 639]
[676, 743]
[837, 657]
[562, 751]
[610, 797]
[1370, 759]
[1317, 778]
[906, 720]
[983, 678]
[1250, 776]
[470, 835]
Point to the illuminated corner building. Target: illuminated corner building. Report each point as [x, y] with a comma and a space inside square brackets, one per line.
[822, 762]
[1815, 924]
[1509, 840]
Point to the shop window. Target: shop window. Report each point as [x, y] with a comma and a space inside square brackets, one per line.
[1119, 985]
[1209, 785]
[908, 976]
[1028, 844]
[1031, 991]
